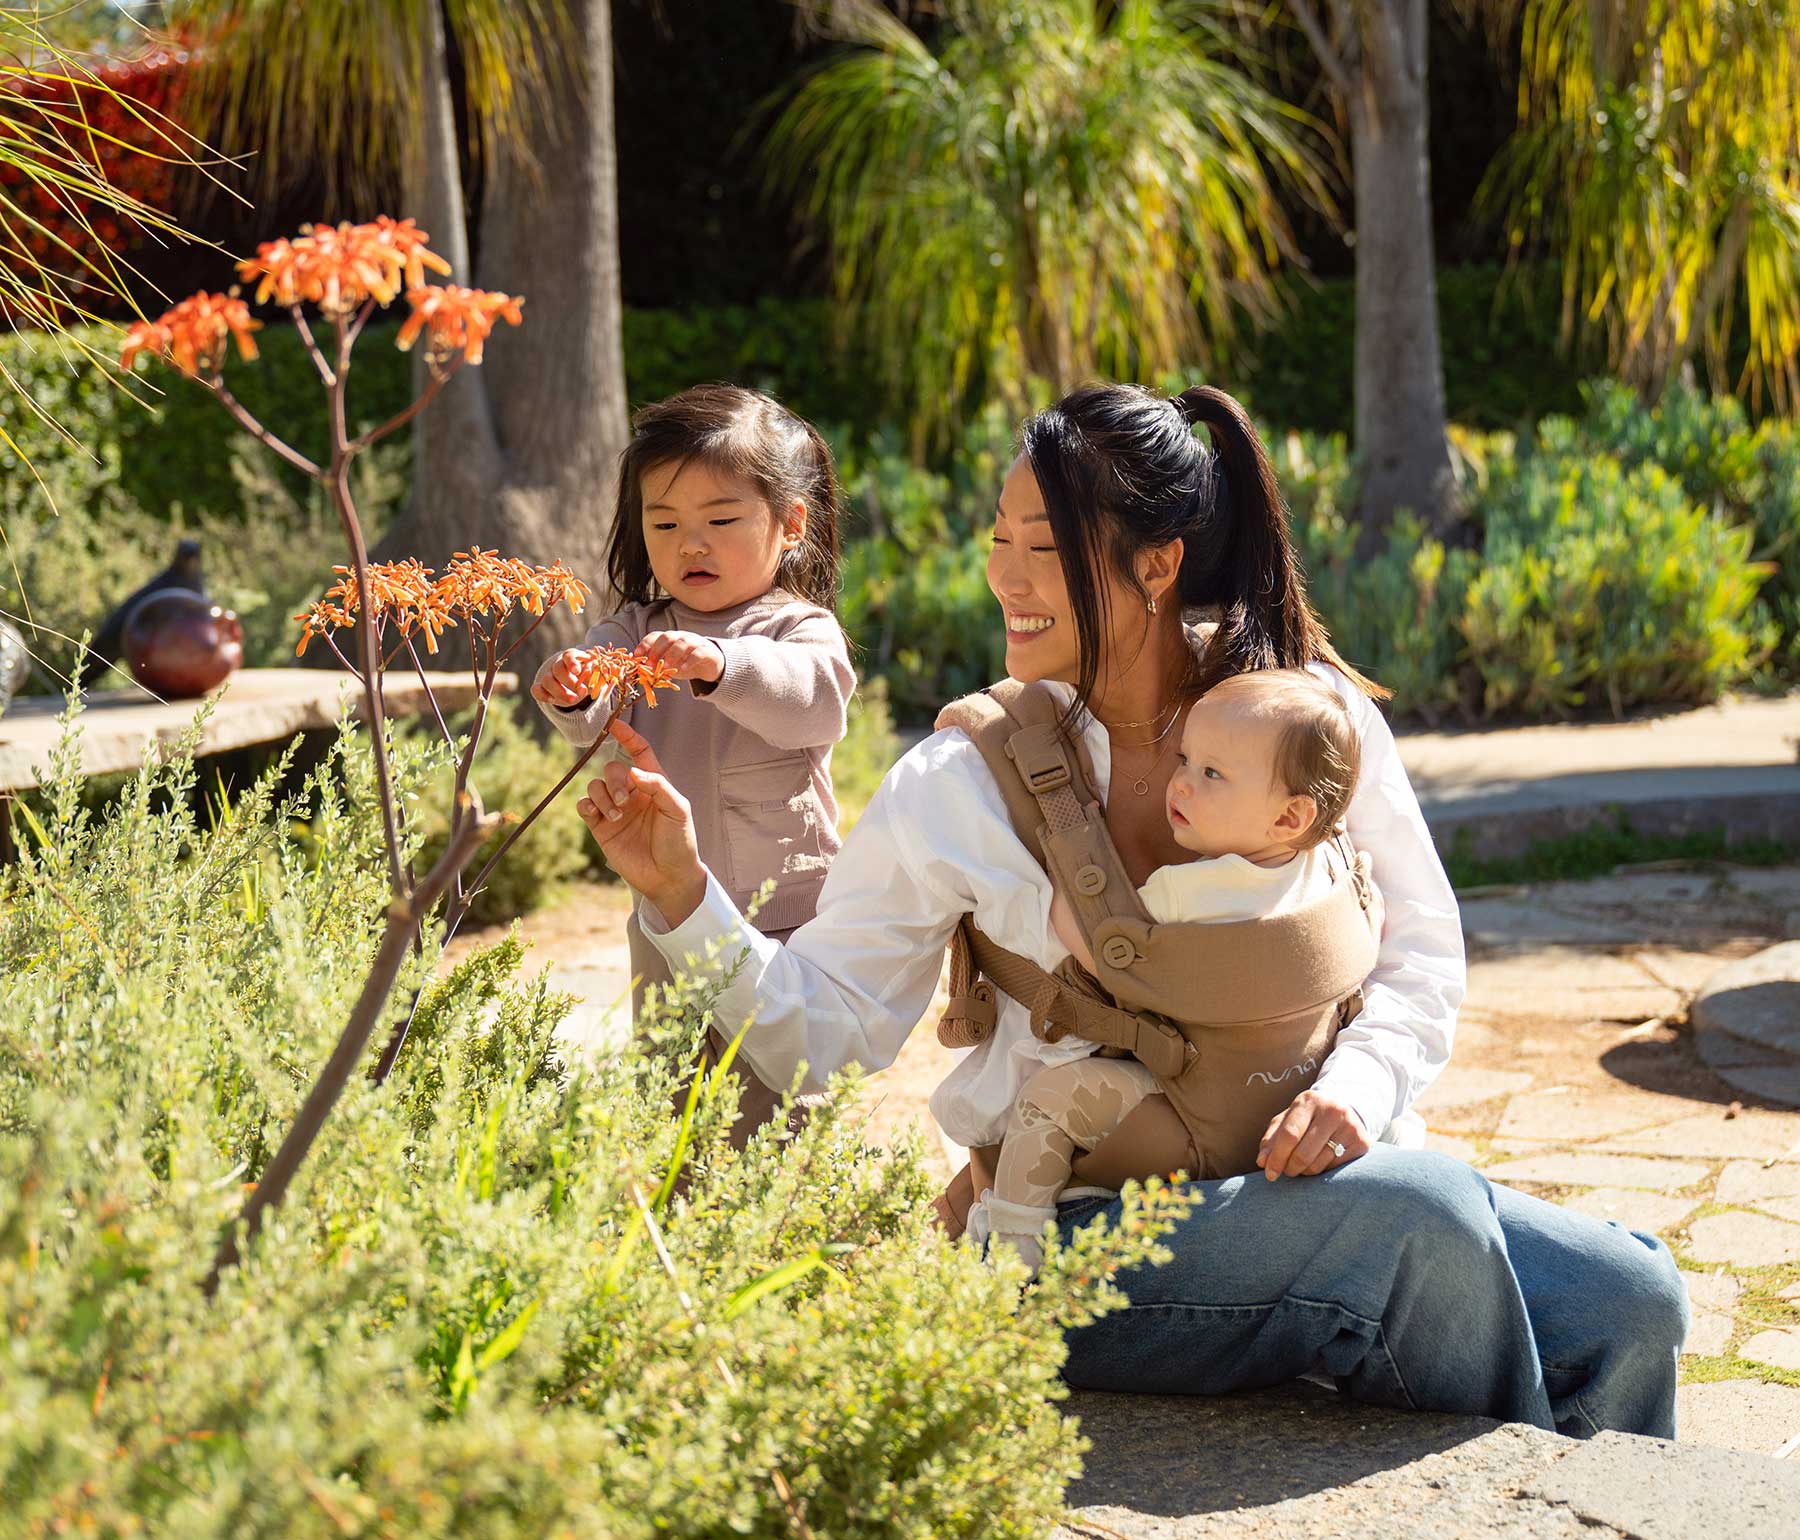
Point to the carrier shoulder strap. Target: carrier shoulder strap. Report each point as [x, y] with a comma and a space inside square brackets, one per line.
[1047, 786]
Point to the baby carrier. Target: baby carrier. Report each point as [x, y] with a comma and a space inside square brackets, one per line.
[1234, 1019]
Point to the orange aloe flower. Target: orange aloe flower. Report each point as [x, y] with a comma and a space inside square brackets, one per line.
[454, 320]
[338, 267]
[603, 669]
[193, 336]
[475, 584]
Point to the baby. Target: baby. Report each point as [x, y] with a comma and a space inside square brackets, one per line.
[1268, 765]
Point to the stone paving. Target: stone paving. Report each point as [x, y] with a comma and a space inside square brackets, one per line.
[1576, 1077]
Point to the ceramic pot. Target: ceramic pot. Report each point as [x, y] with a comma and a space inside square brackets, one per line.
[180, 644]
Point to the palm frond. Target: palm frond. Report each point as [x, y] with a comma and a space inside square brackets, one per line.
[1060, 190]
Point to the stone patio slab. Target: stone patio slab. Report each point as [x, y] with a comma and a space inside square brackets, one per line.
[1569, 1111]
[1712, 1291]
[1745, 1181]
[1636, 1210]
[1780, 1348]
[1777, 886]
[1743, 1239]
[1565, 981]
[1449, 1144]
[1709, 1334]
[1587, 1169]
[1658, 1490]
[1782, 1208]
[1460, 1087]
[1755, 1416]
[1752, 1134]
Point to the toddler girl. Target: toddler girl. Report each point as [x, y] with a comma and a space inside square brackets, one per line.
[725, 553]
[1268, 764]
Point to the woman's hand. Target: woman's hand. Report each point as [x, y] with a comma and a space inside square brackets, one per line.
[556, 683]
[685, 655]
[645, 829]
[1299, 1142]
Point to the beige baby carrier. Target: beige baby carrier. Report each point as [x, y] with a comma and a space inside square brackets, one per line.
[1234, 1019]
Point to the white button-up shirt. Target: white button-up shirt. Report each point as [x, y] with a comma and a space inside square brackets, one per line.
[935, 844]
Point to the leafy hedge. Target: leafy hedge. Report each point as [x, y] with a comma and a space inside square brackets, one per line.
[1501, 364]
[1621, 558]
[170, 454]
[485, 1308]
[1617, 559]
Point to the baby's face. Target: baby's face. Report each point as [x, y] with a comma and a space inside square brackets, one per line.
[1224, 798]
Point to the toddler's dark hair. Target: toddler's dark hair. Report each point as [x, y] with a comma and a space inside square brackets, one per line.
[741, 433]
[1318, 753]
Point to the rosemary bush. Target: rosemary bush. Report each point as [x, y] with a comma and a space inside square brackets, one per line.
[485, 1306]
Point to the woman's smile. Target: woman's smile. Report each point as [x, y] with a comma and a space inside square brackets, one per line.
[1024, 627]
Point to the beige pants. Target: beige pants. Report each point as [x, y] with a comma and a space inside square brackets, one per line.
[757, 1103]
[1061, 1110]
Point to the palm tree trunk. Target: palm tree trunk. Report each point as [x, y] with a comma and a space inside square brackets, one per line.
[1400, 420]
[523, 457]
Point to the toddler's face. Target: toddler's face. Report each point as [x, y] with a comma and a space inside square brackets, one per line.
[1224, 798]
[713, 541]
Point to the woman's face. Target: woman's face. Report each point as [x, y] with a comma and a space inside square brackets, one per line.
[713, 541]
[1027, 579]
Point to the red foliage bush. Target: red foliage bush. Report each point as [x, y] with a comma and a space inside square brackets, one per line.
[136, 154]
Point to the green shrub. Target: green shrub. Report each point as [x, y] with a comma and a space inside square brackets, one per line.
[484, 1308]
[1392, 615]
[1606, 586]
[925, 622]
[868, 751]
[514, 767]
[172, 455]
[1745, 473]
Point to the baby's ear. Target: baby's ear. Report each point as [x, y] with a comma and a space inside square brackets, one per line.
[793, 523]
[1297, 816]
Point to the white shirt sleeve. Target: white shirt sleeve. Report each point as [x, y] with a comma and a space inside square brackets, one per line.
[933, 845]
[1401, 1038]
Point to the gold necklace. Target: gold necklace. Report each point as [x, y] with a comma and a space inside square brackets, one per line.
[1142, 784]
[1147, 742]
[1174, 706]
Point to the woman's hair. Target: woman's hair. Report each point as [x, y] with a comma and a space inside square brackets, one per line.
[1121, 471]
[1318, 753]
[747, 435]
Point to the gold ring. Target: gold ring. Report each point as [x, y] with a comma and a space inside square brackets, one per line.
[1337, 1149]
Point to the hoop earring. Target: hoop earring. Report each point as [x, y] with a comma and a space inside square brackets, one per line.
[1152, 606]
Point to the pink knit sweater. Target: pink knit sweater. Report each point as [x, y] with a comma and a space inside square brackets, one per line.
[752, 753]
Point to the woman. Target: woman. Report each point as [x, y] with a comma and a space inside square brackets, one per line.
[1402, 1273]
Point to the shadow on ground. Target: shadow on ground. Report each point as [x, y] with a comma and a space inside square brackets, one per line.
[1190, 1455]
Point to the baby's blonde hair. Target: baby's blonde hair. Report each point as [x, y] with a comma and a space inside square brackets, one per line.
[1318, 753]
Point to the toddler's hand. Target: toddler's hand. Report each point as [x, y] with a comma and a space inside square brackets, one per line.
[1306, 1139]
[557, 683]
[685, 655]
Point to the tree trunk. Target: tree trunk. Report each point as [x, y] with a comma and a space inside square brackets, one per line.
[520, 453]
[1399, 367]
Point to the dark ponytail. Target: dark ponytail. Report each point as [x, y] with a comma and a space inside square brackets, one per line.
[1121, 471]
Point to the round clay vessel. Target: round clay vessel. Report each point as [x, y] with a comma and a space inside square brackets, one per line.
[179, 643]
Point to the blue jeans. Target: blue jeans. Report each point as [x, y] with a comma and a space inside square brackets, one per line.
[1411, 1280]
